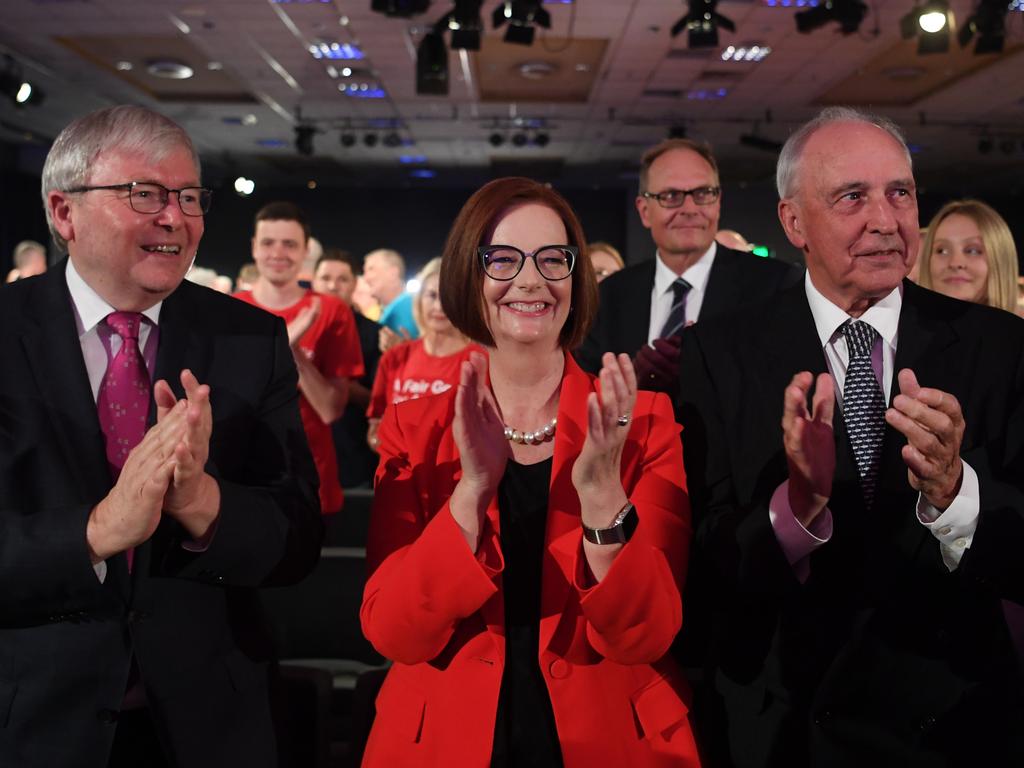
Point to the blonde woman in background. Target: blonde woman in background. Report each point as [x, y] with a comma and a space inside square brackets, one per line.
[969, 254]
[425, 366]
[606, 259]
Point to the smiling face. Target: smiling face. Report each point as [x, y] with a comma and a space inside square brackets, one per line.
[959, 261]
[279, 249]
[132, 260]
[682, 234]
[528, 309]
[854, 214]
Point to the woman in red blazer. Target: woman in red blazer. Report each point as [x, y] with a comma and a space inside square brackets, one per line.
[530, 528]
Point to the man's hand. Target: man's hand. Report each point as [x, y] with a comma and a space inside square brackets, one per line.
[302, 322]
[933, 424]
[810, 448]
[657, 366]
[193, 497]
[130, 513]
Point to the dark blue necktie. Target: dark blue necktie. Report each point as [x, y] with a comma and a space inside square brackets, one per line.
[677, 315]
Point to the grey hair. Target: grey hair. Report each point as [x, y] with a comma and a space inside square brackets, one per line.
[789, 157]
[392, 257]
[23, 249]
[126, 128]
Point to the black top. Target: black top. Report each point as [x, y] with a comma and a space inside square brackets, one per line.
[524, 733]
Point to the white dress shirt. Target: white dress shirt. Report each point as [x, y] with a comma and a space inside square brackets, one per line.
[662, 295]
[954, 528]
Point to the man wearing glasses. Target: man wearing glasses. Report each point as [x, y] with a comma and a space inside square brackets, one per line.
[644, 307]
[153, 471]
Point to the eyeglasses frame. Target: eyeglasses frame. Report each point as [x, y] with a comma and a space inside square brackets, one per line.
[129, 187]
[659, 196]
[573, 250]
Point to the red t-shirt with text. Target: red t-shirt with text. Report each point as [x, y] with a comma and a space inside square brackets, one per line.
[407, 372]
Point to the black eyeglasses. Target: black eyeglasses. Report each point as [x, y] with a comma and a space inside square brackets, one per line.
[674, 198]
[504, 262]
[148, 197]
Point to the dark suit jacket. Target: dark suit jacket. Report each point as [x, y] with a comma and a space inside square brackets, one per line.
[356, 462]
[189, 618]
[883, 656]
[624, 312]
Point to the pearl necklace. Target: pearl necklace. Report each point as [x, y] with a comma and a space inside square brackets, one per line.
[542, 435]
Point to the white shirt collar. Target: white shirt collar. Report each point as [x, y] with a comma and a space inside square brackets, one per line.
[90, 306]
[883, 316]
[696, 274]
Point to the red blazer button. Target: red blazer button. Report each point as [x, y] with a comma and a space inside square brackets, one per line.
[560, 669]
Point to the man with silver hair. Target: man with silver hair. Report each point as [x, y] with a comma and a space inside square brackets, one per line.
[136, 519]
[855, 571]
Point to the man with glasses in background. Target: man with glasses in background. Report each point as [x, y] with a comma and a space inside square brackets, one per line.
[644, 307]
[153, 472]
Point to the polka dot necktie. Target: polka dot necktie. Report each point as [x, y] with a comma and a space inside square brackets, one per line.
[677, 315]
[863, 405]
[123, 400]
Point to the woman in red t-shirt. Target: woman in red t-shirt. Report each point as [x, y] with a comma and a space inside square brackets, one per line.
[427, 366]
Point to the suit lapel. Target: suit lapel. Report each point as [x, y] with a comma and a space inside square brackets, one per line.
[55, 358]
[562, 534]
[723, 288]
[636, 303]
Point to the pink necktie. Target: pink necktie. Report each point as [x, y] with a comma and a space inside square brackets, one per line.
[123, 400]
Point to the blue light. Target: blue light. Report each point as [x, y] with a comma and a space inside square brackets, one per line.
[422, 173]
[272, 143]
[376, 92]
[336, 51]
[412, 159]
[707, 94]
[792, 3]
[1017, 5]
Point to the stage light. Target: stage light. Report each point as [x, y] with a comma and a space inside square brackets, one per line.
[677, 132]
[521, 16]
[701, 23]
[760, 142]
[347, 139]
[432, 66]
[520, 140]
[304, 139]
[465, 25]
[930, 23]
[496, 139]
[988, 22]
[244, 187]
[19, 90]
[370, 140]
[392, 140]
[542, 139]
[847, 13]
[984, 145]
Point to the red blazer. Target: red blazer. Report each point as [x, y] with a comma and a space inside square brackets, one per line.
[436, 609]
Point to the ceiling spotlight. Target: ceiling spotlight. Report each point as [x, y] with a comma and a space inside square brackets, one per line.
[930, 23]
[465, 24]
[370, 140]
[521, 16]
[244, 187]
[347, 139]
[520, 139]
[304, 139]
[400, 8]
[988, 22]
[14, 86]
[677, 132]
[701, 23]
[542, 139]
[432, 66]
[984, 145]
[392, 140]
[1007, 146]
[496, 139]
[847, 13]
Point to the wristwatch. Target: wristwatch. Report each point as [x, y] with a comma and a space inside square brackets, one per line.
[619, 532]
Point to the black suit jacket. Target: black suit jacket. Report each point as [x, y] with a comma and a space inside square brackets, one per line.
[624, 312]
[883, 656]
[189, 618]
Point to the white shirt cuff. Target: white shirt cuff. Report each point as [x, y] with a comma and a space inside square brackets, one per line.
[954, 527]
[797, 542]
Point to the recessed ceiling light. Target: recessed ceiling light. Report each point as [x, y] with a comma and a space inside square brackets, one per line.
[749, 53]
[169, 69]
[250, 119]
[124, 66]
[214, 66]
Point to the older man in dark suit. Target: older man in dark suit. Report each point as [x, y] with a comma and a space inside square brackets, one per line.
[644, 307]
[135, 520]
[854, 564]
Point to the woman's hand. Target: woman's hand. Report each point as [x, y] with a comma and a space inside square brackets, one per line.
[596, 473]
[483, 450]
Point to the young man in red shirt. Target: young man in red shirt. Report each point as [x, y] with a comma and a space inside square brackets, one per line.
[321, 330]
